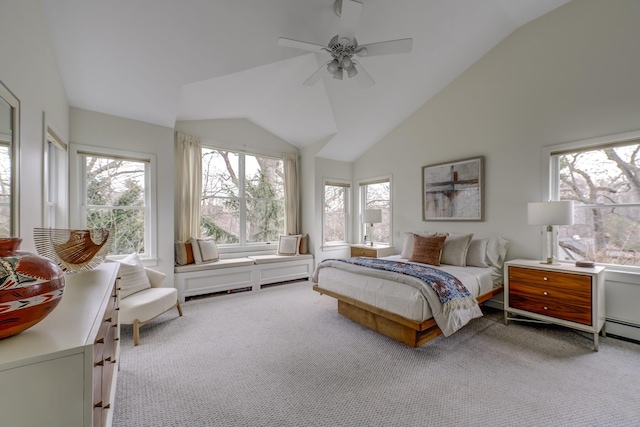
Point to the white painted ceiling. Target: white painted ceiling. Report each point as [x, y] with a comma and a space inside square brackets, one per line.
[159, 61]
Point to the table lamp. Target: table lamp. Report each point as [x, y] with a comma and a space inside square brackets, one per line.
[370, 217]
[550, 213]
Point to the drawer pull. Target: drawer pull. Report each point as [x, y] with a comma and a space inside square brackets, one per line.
[545, 293]
[545, 278]
[98, 405]
[546, 308]
[108, 320]
[100, 341]
[100, 363]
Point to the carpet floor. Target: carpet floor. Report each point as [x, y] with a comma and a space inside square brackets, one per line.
[284, 357]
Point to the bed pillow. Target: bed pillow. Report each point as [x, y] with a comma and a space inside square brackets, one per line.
[204, 250]
[454, 251]
[496, 251]
[184, 253]
[407, 244]
[477, 253]
[427, 249]
[133, 278]
[289, 245]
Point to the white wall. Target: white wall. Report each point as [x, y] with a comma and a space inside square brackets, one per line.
[315, 170]
[29, 69]
[569, 75]
[103, 130]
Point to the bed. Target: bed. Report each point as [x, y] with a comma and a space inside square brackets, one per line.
[385, 302]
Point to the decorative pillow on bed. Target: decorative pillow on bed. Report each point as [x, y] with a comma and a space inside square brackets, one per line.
[454, 251]
[477, 253]
[184, 253]
[289, 245]
[427, 249]
[407, 244]
[204, 250]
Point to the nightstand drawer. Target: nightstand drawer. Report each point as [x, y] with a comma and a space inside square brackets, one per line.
[547, 279]
[372, 253]
[564, 296]
[573, 308]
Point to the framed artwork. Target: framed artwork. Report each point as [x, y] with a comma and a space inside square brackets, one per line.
[453, 191]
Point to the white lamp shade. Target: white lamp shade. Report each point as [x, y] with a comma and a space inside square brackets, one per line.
[551, 213]
[372, 216]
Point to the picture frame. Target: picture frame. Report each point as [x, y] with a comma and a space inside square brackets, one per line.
[453, 191]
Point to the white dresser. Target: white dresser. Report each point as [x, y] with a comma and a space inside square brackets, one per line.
[62, 372]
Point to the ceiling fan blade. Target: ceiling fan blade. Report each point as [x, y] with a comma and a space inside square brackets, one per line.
[313, 79]
[363, 77]
[385, 48]
[349, 17]
[301, 45]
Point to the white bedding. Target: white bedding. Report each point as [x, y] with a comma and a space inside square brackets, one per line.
[395, 297]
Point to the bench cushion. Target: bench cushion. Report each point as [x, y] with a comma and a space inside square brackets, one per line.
[222, 263]
[265, 259]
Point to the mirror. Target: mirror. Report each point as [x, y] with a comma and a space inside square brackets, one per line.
[9, 161]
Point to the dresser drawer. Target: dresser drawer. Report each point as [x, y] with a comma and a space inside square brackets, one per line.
[548, 279]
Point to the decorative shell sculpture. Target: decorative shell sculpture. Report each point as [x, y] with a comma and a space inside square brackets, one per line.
[73, 250]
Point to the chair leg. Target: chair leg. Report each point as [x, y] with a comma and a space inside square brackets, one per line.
[136, 332]
[179, 308]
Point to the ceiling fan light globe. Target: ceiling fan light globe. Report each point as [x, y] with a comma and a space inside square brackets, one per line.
[338, 74]
[346, 63]
[333, 66]
[351, 72]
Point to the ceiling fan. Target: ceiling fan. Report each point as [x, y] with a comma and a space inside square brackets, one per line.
[344, 46]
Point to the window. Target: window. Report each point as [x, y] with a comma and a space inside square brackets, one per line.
[336, 212]
[55, 181]
[5, 185]
[604, 183]
[376, 194]
[242, 197]
[117, 193]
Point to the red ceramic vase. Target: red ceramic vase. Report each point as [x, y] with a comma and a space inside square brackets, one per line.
[31, 286]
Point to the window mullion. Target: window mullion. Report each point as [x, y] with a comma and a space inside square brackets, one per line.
[242, 199]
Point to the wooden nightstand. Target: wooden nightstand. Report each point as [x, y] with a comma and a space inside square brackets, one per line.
[560, 294]
[375, 251]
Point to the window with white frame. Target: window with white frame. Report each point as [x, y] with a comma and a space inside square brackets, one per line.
[5, 186]
[376, 194]
[335, 214]
[603, 180]
[242, 197]
[55, 181]
[118, 193]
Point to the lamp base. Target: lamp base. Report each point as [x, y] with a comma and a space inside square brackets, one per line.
[549, 261]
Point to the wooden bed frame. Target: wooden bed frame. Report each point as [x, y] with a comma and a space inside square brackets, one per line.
[394, 326]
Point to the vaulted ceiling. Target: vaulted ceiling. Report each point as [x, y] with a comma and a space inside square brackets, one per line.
[160, 61]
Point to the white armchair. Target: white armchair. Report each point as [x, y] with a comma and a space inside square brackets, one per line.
[145, 305]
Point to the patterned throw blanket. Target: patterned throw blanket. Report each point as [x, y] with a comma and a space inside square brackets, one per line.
[451, 292]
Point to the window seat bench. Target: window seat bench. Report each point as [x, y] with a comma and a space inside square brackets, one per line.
[239, 273]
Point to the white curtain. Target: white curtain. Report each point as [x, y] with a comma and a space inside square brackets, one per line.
[188, 152]
[291, 194]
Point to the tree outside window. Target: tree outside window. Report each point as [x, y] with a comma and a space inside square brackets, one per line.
[604, 184]
[336, 212]
[242, 197]
[114, 198]
[377, 195]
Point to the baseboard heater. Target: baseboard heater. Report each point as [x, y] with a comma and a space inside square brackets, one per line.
[623, 329]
